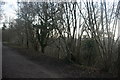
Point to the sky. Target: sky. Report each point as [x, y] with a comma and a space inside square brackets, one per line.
[9, 9]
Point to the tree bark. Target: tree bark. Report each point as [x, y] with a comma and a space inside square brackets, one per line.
[43, 49]
[118, 61]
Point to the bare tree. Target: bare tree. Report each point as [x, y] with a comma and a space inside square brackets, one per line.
[26, 14]
[98, 24]
[47, 16]
[118, 61]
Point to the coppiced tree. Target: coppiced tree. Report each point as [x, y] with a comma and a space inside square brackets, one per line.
[100, 22]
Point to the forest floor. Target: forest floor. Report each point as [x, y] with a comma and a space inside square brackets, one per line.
[25, 63]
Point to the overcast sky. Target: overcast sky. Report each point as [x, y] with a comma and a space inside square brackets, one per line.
[10, 8]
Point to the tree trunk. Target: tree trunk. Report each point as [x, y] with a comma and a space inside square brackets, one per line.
[43, 49]
[118, 60]
[36, 47]
[27, 42]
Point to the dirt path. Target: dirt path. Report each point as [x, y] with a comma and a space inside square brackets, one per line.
[21, 63]
[17, 66]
